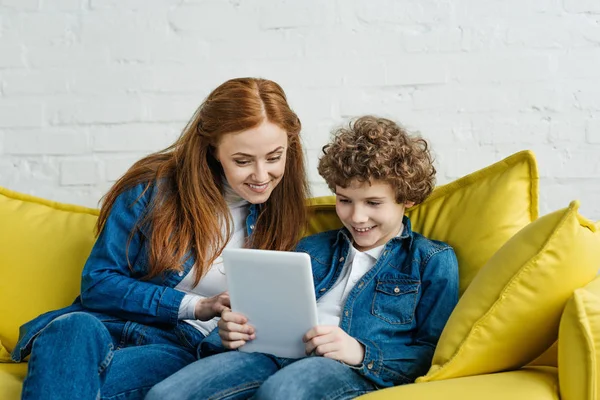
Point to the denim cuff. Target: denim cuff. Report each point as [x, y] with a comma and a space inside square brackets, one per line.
[373, 361]
[168, 307]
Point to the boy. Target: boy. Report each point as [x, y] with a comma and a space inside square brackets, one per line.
[384, 293]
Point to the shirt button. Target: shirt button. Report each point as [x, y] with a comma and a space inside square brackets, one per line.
[370, 365]
[180, 273]
[385, 253]
[396, 289]
[341, 259]
[251, 227]
[346, 313]
[361, 285]
[322, 290]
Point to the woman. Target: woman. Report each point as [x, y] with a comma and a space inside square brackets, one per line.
[153, 283]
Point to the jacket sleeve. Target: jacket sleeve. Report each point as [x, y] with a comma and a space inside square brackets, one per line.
[109, 285]
[401, 364]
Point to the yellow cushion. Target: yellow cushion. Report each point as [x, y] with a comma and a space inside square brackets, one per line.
[475, 214]
[511, 311]
[579, 345]
[11, 380]
[43, 246]
[538, 383]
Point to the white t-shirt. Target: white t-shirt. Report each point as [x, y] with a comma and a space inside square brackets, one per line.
[215, 281]
[329, 306]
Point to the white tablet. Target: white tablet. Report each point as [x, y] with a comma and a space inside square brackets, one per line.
[275, 291]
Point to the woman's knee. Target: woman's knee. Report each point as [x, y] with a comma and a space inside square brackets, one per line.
[73, 328]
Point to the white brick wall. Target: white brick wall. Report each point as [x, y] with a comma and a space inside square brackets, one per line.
[89, 86]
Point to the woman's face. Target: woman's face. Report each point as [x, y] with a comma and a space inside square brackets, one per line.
[254, 160]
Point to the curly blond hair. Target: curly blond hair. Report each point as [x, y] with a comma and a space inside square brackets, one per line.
[372, 148]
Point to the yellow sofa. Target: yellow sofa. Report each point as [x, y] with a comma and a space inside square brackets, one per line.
[516, 278]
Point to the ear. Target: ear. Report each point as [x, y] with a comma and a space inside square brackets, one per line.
[409, 204]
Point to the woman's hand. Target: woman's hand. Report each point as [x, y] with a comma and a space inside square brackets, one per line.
[332, 342]
[234, 329]
[211, 307]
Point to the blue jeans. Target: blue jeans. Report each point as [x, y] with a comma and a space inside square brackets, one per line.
[238, 375]
[78, 356]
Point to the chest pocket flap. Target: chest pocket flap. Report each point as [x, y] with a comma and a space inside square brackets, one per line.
[395, 300]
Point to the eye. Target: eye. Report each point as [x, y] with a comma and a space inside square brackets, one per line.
[274, 159]
[241, 163]
[373, 203]
[345, 201]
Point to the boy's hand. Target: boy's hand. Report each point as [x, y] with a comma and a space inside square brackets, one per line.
[332, 342]
[234, 329]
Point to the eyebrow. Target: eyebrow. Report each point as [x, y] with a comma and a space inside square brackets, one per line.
[250, 155]
[368, 198]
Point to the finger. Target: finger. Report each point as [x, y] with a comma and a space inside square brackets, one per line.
[234, 345]
[233, 327]
[334, 355]
[316, 331]
[233, 336]
[230, 316]
[327, 348]
[312, 344]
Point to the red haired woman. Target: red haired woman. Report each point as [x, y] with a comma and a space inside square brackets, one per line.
[153, 283]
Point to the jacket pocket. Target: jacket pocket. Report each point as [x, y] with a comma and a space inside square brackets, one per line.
[395, 300]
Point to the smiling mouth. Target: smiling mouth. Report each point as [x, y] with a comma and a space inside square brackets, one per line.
[258, 188]
[363, 230]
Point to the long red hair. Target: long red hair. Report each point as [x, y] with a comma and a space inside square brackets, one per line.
[188, 210]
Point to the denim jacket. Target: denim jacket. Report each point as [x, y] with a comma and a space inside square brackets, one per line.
[109, 287]
[398, 309]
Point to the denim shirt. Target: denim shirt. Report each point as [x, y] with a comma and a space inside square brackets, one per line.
[109, 287]
[398, 309]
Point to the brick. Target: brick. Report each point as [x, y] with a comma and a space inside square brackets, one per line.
[24, 114]
[61, 56]
[438, 40]
[174, 49]
[115, 167]
[582, 6]
[581, 64]
[501, 68]
[105, 81]
[131, 138]
[342, 42]
[173, 108]
[275, 14]
[103, 110]
[461, 160]
[21, 5]
[404, 12]
[392, 102]
[587, 98]
[28, 82]
[592, 131]
[78, 172]
[417, 71]
[216, 19]
[43, 141]
[63, 5]
[566, 131]
[11, 56]
[50, 28]
[524, 129]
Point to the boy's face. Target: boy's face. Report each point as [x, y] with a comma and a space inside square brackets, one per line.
[370, 212]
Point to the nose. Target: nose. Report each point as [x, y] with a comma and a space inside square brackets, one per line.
[358, 215]
[260, 173]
